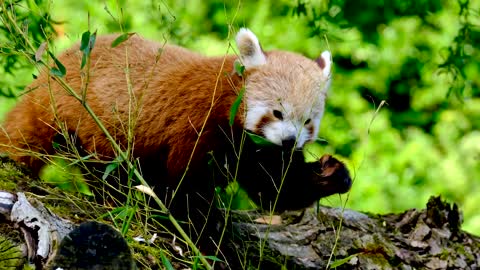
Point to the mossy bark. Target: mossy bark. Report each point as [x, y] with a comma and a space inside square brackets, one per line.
[328, 237]
[12, 253]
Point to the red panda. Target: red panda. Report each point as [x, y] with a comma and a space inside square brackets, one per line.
[184, 103]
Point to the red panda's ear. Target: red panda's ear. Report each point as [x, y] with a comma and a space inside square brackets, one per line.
[325, 63]
[251, 53]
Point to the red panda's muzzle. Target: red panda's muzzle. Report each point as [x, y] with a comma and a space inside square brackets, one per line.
[289, 143]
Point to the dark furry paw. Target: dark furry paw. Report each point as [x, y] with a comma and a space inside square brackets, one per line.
[331, 176]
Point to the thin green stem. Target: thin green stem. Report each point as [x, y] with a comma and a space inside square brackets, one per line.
[130, 166]
[112, 141]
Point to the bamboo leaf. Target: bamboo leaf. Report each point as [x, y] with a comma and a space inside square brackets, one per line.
[259, 140]
[166, 263]
[236, 105]
[56, 72]
[85, 41]
[60, 70]
[65, 177]
[84, 61]
[112, 166]
[109, 169]
[340, 262]
[86, 46]
[212, 258]
[82, 187]
[91, 41]
[120, 39]
[239, 68]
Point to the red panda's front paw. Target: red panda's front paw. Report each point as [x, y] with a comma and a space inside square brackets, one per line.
[331, 176]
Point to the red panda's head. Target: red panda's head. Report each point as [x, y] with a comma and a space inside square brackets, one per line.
[285, 92]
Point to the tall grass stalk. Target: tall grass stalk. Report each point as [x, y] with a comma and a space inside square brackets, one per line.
[16, 30]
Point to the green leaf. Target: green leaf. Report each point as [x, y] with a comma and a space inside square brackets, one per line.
[127, 222]
[120, 39]
[56, 145]
[56, 72]
[60, 70]
[166, 263]
[86, 46]
[91, 42]
[259, 140]
[109, 169]
[85, 41]
[236, 105]
[163, 217]
[112, 166]
[82, 187]
[126, 212]
[340, 262]
[111, 213]
[84, 61]
[212, 258]
[321, 141]
[87, 157]
[65, 177]
[239, 68]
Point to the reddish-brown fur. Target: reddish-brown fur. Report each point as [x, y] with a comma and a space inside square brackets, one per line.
[174, 97]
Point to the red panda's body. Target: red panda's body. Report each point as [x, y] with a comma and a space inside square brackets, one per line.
[176, 92]
[174, 96]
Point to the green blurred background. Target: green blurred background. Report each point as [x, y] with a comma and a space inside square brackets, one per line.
[420, 57]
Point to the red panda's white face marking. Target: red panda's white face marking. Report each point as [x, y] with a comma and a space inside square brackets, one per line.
[285, 92]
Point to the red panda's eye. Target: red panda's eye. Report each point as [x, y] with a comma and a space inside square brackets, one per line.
[278, 114]
[308, 121]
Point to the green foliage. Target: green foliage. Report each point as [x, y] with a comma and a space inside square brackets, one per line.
[343, 261]
[461, 53]
[122, 38]
[66, 177]
[86, 45]
[424, 141]
[234, 197]
[34, 18]
[259, 140]
[11, 256]
[411, 54]
[236, 106]
[111, 167]
[239, 68]
[59, 70]
[166, 263]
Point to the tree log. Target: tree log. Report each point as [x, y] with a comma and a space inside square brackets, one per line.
[326, 237]
[316, 238]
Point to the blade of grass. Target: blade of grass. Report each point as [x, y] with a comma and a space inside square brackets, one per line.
[58, 74]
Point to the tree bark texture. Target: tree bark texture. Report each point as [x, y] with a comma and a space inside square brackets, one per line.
[330, 237]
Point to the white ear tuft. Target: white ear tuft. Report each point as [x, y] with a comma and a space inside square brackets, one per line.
[251, 52]
[325, 63]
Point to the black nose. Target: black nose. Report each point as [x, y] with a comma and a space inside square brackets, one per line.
[289, 143]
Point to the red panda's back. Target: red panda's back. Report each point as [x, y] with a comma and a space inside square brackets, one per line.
[162, 92]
